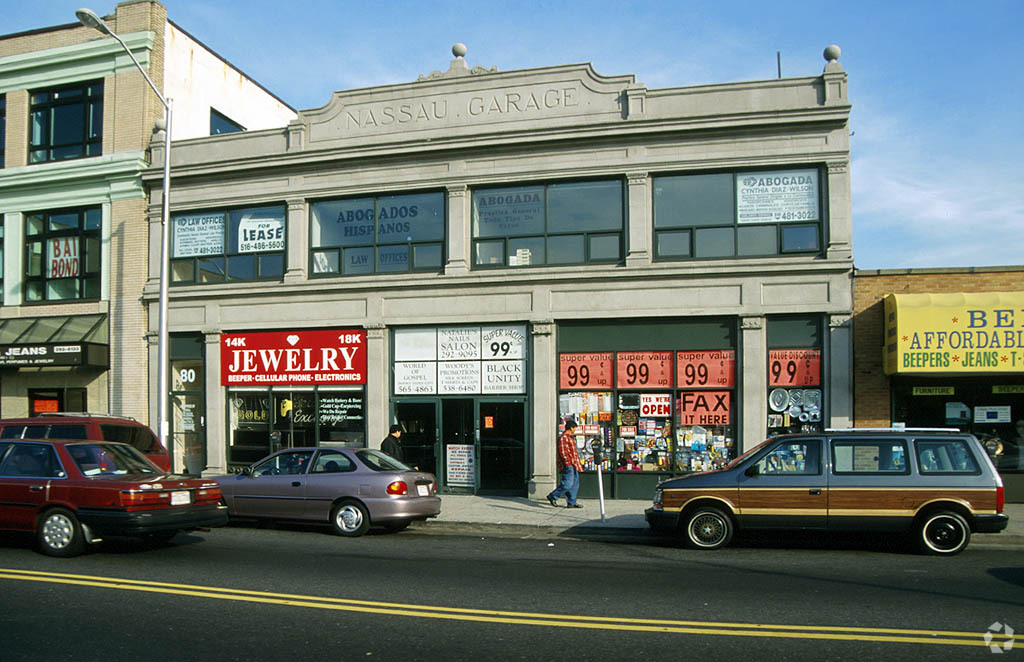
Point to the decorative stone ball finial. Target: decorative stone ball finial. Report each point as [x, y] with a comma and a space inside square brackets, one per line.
[459, 50]
[832, 53]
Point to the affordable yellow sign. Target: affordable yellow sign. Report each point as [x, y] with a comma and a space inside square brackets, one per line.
[954, 333]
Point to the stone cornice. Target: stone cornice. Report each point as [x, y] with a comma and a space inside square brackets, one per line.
[68, 64]
[79, 181]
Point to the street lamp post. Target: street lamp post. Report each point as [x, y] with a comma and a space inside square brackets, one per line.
[90, 19]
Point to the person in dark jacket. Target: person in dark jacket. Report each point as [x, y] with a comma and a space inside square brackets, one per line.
[391, 444]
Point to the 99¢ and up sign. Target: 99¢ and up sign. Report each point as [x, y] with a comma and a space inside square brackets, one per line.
[636, 370]
[794, 367]
[585, 371]
[707, 369]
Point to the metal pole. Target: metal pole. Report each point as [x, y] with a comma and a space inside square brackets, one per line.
[165, 242]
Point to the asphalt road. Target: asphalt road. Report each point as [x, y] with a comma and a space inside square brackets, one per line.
[295, 593]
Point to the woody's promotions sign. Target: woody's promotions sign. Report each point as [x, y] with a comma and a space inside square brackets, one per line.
[334, 356]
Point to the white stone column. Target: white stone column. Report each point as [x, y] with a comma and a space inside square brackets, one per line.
[544, 419]
[459, 228]
[378, 384]
[840, 219]
[840, 364]
[639, 221]
[753, 340]
[216, 407]
[298, 241]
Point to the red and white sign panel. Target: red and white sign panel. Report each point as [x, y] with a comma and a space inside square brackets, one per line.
[643, 370]
[585, 371]
[62, 258]
[655, 405]
[794, 367]
[707, 369]
[335, 356]
[704, 408]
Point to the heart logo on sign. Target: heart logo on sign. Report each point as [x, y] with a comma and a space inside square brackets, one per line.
[292, 339]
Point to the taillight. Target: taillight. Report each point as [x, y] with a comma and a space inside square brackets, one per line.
[1000, 499]
[135, 498]
[398, 487]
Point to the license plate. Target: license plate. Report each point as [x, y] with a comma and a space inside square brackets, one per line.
[422, 490]
[180, 498]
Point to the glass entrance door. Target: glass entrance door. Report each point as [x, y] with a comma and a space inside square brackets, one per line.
[419, 434]
[502, 447]
[459, 444]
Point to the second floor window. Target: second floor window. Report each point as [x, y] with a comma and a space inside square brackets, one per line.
[387, 234]
[221, 123]
[62, 255]
[228, 245]
[66, 122]
[554, 224]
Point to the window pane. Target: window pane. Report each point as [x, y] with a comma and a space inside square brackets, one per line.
[490, 252]
[585, 206]
[526, 251]
[183, 271]
[358, 260]
[757, 240]
[674, 244]
[211, 270]
[566, 249]
[605, 247]
[392, 258]
[68, 124]
[325, 262]
[197, 234]
[799, 238]
[403, 218]
[92, 255]
[242, 267]
[34, 291]
[60, 222]
[693, 200]
[93, 219]
[65, 288]
[39, 132]
[35, 259]
[507, 212]
[271, 265]
[95, 120]
[714, 242]
[342, 223]
[34, 225]
[91, 288]
[425, 256]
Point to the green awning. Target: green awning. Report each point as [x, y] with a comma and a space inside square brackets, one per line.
[69, 340]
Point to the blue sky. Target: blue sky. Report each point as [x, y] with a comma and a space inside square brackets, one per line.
[936, 86]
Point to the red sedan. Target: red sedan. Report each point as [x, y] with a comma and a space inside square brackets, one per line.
[71, 493]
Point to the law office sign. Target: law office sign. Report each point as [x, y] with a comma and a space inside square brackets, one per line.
[966, 333]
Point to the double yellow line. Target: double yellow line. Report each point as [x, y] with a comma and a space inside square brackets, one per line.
[893, 635]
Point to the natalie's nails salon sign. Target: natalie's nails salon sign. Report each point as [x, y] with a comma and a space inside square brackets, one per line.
[322, 356]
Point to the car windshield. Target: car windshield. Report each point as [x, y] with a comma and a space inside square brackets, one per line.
[109, 460]
[380, 461]
[753, 450]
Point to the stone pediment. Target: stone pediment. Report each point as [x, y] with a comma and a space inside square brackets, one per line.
[461, 106]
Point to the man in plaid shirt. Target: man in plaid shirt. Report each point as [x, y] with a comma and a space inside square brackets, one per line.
[569, 468]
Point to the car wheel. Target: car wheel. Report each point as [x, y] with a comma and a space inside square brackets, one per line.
[707, 528]
[350, 519]
[943, 533]
[60, 534]
[398, 525]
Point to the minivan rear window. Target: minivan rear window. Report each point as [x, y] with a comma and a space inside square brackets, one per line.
[869, 456]
[58, 431]
[133, 435]
[945, 456]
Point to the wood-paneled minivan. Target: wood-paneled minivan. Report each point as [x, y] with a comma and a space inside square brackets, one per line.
[938, 485]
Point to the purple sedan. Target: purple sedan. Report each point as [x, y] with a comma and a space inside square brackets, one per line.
[349, 488]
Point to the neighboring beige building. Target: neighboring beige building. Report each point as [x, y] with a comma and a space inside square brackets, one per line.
[76, 120]
[478, 255]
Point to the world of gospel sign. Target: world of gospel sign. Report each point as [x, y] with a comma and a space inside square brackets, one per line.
[954, 333]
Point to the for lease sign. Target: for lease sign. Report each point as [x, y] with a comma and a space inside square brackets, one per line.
[331, 356]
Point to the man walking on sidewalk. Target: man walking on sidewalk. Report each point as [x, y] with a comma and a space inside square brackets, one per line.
[569, 468]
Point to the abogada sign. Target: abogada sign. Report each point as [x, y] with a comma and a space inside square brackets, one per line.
[335, 356]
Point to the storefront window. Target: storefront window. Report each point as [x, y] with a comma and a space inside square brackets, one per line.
[66, 122]
[795, 394]
[524, 226]
[62, 255]
[222, 246]
[756, 213]
[388, 234]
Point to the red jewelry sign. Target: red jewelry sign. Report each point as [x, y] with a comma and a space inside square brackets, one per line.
[585, 371]
[712, 369]
[643, 370]
[334, 356]
[704, 408]
[794, 367]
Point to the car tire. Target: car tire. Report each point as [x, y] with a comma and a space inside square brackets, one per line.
[350, 519]
[398, 525]
[60, 534]
[943, 533]
[706, 527]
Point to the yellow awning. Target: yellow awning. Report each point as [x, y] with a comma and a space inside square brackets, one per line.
[964, 333]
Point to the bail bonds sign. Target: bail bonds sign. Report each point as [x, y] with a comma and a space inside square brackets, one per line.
[334, 356]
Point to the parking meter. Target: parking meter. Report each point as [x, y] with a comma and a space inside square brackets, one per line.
[597, 448]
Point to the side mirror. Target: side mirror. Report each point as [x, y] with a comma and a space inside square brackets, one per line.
[753, 470]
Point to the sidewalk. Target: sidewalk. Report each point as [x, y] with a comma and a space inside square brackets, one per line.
[623, 519]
